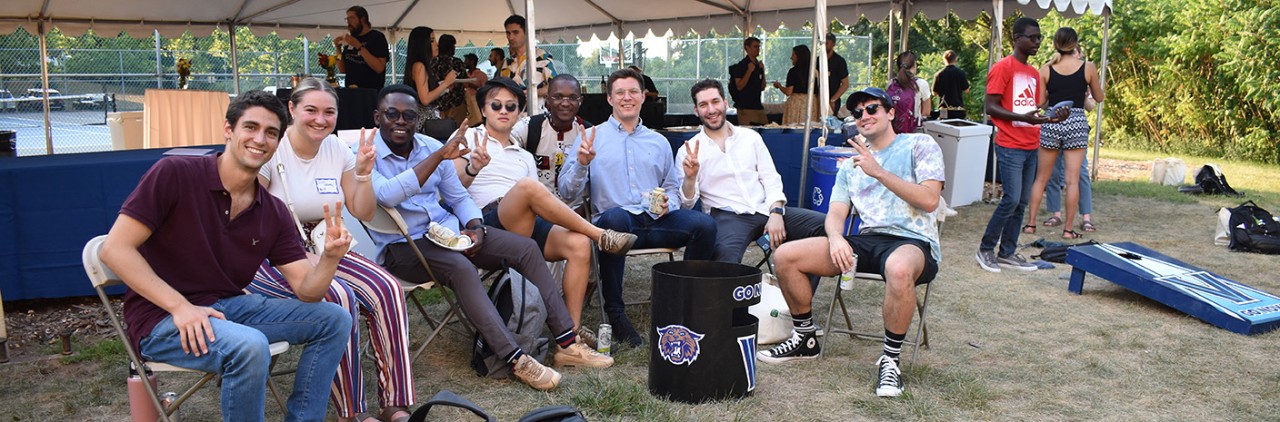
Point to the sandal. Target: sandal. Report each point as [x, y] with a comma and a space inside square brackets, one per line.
[395, 414]
[1029, 229]
[1053, 221]
[1071, 234]
[1088, 227]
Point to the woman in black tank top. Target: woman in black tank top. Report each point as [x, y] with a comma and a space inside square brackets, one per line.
[1065, 78]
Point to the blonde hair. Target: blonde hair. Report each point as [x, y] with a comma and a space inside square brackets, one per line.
[308, 84]
[1063, 40]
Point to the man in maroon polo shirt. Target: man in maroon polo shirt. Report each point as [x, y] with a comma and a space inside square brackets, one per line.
[189, 239]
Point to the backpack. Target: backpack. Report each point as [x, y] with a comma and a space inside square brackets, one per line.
[446, 398]
[1252, 229]
[1057, 252]
[534, 136]
[553, 413]
[1210, 181]
[519, 304]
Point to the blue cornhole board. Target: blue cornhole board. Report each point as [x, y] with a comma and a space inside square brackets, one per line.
[1212, 298]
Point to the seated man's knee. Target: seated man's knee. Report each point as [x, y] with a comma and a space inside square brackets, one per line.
[530, 186]
[616, 219]
[244, 350]
[577, 245]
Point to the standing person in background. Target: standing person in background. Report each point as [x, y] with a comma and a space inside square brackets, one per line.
[950, 84]
[451, 104]
[478, 78]
[364, 52]
[418, 58]
[746, 84]
[1013, 93]
[650, 88]
[906, 93]
[837, 74]
[797, 88]
[1064, 78]
[497, 59]
[1053, 191]
[515, 68]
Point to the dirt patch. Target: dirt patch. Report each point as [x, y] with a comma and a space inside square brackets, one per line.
[36, 327]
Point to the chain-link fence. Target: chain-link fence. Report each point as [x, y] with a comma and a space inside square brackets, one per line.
[91, 77]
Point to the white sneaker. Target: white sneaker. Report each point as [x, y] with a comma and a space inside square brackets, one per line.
[890, 379]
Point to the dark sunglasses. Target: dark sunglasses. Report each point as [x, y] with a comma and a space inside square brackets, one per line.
[392, 115]
[1036, 37]
[497, 106]
[871, 111]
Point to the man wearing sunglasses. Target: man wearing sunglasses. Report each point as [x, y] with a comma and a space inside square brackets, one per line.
[409, 176]
[624, 162]
[894, 182]
[1013, 95]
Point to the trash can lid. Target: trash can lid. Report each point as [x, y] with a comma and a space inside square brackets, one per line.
[830, 151]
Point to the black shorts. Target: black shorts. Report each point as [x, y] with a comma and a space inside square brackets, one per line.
[873, 250]
[541, 228]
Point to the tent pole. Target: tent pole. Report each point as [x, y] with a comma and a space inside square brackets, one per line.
[995, 52]
[819, 49]
[530, 60]
[44, 83]
[907, 13]
[235, 59]
[1102, 80]
[306, 55]
[159, 71]
[392, 64]
[889, 45]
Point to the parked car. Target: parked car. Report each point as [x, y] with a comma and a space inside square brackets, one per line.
[36, 93]
[6, 103]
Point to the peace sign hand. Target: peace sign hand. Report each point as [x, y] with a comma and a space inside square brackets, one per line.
[587, 150]
[479, 152]
[365, 153]
[336, 237]
[865, 159]
[457, 145]
[690, 163]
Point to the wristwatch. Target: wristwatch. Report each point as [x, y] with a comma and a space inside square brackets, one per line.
[779, 211]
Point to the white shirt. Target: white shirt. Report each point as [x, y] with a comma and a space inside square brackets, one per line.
[741, 179]
[552, 148]
[507, 165]
[923, 94]
[312, 183]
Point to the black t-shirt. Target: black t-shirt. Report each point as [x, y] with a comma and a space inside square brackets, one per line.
[950, 84]
[649, 86]
[839, 70]
[797, 81]
[747, 98]
[359, 74]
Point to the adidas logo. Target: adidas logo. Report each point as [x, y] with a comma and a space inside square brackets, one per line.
[1026, 98]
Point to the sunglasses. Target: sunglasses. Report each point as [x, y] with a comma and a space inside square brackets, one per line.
[1036, 37]
[392, 115]
[497, 106]
[559, 99]
[871, 111]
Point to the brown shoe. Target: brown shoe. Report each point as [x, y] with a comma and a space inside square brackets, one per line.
[616, 243]
[587, 337]
[579, 355]
[529, 371]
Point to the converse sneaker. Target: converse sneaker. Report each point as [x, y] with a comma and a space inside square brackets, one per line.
[529, 371]
[616, 243]
[579, 355]
[799, 347]
[587, 337]
[890, 379]
[987, 260]
[1016, 262]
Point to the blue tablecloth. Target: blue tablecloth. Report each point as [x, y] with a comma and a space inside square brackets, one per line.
[785, 145]
[50, 206]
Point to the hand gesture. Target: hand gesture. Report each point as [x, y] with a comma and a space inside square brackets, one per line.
[777, 85]
[841, 253]
[690, 163]
[194, 328]
[479, 152]
[865, 160]
[587, 150]
[777, 231]
[365, 153]
[457, 145]
[336, 237]
[1035, 117]
[751, 67]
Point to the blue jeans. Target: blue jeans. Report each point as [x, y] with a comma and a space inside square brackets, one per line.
[694, 230]
[1053, 192]
[240, 352]
[1017, 169]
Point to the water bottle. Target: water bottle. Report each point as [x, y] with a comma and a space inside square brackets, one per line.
[140, 407]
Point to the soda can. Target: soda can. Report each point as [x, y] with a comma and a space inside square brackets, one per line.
[846, 279]
[657, 198]
[604, 339]
[167, 400]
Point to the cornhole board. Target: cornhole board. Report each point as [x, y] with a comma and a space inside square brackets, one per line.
[1213, 298]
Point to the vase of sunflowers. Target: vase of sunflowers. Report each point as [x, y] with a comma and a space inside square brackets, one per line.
[330, 64]
[184, 71]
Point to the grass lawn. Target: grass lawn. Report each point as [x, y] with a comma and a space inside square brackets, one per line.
[1008, 346]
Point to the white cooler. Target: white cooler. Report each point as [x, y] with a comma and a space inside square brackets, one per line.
[964, 152]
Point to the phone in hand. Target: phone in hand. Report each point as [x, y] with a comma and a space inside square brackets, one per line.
[1052, 112]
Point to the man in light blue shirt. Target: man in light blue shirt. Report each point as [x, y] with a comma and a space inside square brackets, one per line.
[408, 176]
[624, 162]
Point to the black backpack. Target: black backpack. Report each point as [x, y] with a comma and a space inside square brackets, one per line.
[1210, 181]
[1057, 252]
[519, 304]
[554, 413]
[1252, 229]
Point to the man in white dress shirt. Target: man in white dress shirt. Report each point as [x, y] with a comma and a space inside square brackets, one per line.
[729, 168]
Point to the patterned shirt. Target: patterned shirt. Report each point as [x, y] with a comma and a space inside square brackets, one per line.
[543, 65]
[440, 67]
[914, 157]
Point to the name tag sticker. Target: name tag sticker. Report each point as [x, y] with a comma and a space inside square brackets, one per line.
[327, 185]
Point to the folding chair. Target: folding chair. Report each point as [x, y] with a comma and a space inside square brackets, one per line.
[102, 277]
[922, 331]
[388, 221]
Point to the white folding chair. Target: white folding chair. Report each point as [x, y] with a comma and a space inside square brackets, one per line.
[102, 277]
[389, 221]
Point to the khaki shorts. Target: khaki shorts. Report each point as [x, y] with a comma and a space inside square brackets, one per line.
[752, 117]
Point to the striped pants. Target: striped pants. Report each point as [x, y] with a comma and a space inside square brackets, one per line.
[360, 284]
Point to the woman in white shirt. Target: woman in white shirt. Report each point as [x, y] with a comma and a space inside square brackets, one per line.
[312, 167]
[503, 180]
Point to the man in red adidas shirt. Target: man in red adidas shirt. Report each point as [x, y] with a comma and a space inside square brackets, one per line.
[1012, 102]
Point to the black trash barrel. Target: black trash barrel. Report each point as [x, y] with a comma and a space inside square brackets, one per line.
[703, 339]
[8, 143]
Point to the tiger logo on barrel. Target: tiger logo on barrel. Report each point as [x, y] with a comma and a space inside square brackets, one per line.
[678, 344]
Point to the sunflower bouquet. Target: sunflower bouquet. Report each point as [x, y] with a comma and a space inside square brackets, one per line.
[330, 65]
[184, 71]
